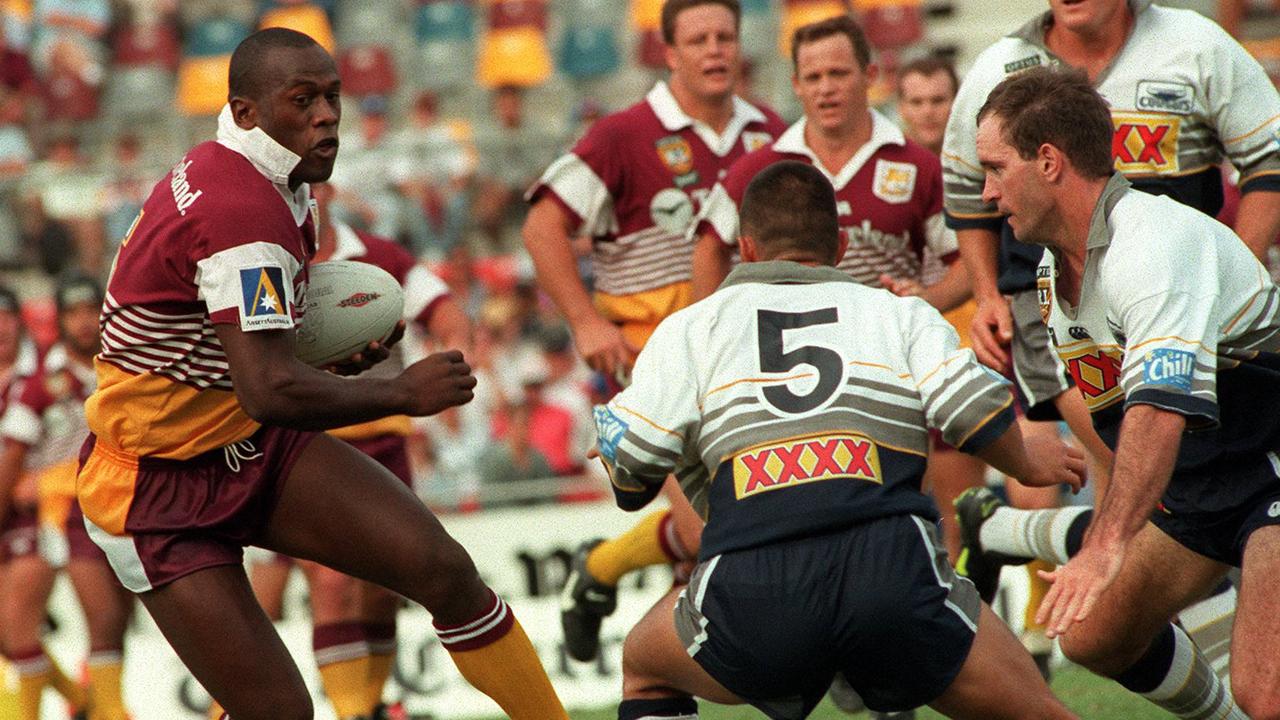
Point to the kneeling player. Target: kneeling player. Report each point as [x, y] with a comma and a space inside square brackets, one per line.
[796, 405]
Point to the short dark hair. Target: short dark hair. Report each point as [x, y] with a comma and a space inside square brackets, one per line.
[76, 289]
[791, 205]
[244, 79]
[672, 8]
[1057, 106]
[928, 66]
[836, 25]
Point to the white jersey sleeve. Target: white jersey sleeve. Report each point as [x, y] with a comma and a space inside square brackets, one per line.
[644, 429]
[255, 278]
[422, 289]
[1249, 131]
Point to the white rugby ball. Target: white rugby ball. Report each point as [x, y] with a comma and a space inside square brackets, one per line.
[349, 305]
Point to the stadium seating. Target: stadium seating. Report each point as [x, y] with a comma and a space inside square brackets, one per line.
[146, 44]
[444, 21]
[891, 23]
[367, 70]
[589, 52]
[798, 13]
[514, 51]
[445, 67]
[305, 18]
[202, 73]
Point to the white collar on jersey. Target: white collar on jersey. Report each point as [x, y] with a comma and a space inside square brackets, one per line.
[673, 118]
[347, 244]
[883, 132]
[272, 159]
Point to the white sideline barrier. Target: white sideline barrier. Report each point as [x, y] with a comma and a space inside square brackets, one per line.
[521, 553]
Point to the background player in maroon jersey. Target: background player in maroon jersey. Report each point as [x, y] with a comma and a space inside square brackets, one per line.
[634, 184]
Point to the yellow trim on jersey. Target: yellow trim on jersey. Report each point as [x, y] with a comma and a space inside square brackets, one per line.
[728, 385]
[1268, 121]
[1173, 337]
[655, 425]
[985, 420]
[962, 161]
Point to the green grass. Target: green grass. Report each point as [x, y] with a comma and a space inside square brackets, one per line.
[1089, 696]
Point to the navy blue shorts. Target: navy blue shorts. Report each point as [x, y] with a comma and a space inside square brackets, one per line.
[878, 602]
[1214, 527]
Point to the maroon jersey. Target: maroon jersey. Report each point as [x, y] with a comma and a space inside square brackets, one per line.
[48, 413]
[888, 196]
[635, 181]
[221, 239]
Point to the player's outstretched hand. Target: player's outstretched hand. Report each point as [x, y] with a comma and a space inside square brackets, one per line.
[374, 353]
[436, 382]
[1077, 586]
[902, 287]
[603, 347]
[991, 332]
[1053, 462]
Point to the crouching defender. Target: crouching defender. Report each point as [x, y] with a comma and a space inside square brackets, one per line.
[795, 404]
[203, 421]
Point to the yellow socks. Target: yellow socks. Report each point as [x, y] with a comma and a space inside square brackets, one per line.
[495, 656]
[651, 542]
[105, 669]
[382, 656]
[342, 654]
[1037, 589]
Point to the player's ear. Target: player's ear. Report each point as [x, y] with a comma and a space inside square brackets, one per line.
[245, 112]
[747, 249]
[842, 246]
[1049, 160]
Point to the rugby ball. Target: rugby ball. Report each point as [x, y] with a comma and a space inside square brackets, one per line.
[348, 305]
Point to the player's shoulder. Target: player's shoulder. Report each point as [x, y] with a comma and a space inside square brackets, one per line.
[747, 166]
[910, 151]
[1008, 55]
[211, 179]
[1159, 18]
[773, 122]
[624, 125]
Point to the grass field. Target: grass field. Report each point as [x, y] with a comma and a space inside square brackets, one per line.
[1091, 697]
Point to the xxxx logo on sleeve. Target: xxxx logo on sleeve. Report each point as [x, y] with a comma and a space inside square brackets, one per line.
[797, 461]
[1145, 142]
[1097, 372]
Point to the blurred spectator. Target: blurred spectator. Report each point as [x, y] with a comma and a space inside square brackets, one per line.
[127, 184]
[513, 153]
[514, 458]
[46, 243]
[70, 194]
[69, 53]
[432, 167]
[362, 172]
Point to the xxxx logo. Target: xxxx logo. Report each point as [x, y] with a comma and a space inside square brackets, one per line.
[1097, 373]
[1145, 143]
[793, 462]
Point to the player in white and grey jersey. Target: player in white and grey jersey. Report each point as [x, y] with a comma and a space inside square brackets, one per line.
[807, 398]
[1173, 329]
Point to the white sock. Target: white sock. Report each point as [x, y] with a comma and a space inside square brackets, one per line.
[1190, 689]
[1209, 623]
[1040, 534]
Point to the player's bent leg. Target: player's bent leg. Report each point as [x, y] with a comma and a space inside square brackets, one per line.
[338, 638]
[269, 579]
[1128, 635]
[378, 610]
[998, 679]
[1034, 638]
[107, 606]
[217, 628]
[656, 665]
[28, 582]
[1255, 664]
[389, 537]
[949, 473]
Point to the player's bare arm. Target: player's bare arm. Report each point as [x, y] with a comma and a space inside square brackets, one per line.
[712, 261]
[1258, 221]
[1036, 461]
[276, 389]
[1145, 455]
[546, 237]
[992, 324]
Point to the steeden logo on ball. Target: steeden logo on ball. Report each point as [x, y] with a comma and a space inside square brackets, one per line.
[359, 299]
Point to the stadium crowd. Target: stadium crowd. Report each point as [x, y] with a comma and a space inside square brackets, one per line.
[452, 121]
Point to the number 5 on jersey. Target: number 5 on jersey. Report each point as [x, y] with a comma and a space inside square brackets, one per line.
[771, 325]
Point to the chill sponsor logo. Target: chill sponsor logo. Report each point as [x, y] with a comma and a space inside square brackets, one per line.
[805, 460]
[894, 182]
[1173, 368]
[753, 141]
[610, 428]
[1097, 373]
[1023, 64]
[183, 196]
[265, 302]
[1171, 97]
[672, 210]
[359, 299]
[1145, 143]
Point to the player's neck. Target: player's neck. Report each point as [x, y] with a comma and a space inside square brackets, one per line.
[1070, 239]
[835, 147]
[1091, 51]
[712, 111]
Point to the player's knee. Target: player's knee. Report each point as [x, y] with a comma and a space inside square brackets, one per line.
[635, 678]
[1104, 655]
[443, 577]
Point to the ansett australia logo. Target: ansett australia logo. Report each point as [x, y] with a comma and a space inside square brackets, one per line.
[265, 299]
[1174, 368]
[1165, 97]
[359, 299]
[794, 462]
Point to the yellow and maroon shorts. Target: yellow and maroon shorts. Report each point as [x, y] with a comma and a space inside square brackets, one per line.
[158, 520]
